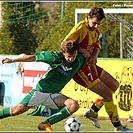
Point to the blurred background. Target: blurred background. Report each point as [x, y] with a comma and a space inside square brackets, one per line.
[27, 27]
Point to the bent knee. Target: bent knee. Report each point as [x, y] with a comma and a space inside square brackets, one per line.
[116, 85]
[76, 105]
[73, 106]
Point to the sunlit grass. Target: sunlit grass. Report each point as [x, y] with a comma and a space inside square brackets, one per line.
[30, 123]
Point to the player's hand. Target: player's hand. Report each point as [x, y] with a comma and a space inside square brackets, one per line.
[94, 69]
[6, 60]
[93, 60]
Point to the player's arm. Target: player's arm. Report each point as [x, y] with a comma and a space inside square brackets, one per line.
[94, 56]
[88, 57]
[26, 58]
[85, 53]
[93, 60]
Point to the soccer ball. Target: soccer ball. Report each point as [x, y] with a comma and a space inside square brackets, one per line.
[73, 124]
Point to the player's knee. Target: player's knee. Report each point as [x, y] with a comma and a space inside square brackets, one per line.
[76, 105]
[73, 106]
[116, 85]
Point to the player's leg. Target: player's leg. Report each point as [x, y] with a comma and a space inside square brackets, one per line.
[18, 109]
[98, 103]
[67, 107]
[87, 79]
[33, 98]
[12, 111]
[104, 91]
[112, 83]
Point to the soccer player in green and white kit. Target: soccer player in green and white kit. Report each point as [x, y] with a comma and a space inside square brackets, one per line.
[63, 66]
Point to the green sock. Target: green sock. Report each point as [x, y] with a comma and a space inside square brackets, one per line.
[62, 114]
[5, 112]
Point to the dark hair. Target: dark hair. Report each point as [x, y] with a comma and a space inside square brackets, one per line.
[69, 46]
[96, 12]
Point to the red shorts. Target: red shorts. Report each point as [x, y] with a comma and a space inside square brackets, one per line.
[86, 77]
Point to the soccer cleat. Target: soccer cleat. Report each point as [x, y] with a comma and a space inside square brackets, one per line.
[93, 117]
[123, 129]
[45, 127]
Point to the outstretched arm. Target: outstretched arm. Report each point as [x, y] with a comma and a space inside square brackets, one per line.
[26, 58]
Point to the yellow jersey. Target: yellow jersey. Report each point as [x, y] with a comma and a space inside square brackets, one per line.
[85, 38]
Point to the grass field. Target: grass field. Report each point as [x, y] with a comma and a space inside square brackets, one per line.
[29, 123]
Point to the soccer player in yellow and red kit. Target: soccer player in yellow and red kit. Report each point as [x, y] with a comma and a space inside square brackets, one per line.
[91, 76]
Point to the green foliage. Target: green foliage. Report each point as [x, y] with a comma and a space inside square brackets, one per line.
[6, 45]
[29, 27]
[64, 25]
[22, 11]
[17, 34]
[61, 29]
[51, 30]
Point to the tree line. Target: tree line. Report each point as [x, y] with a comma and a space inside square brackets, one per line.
[29, 27]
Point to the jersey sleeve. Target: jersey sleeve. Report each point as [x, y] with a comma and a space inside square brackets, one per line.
[75, 33]
[45, 56]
